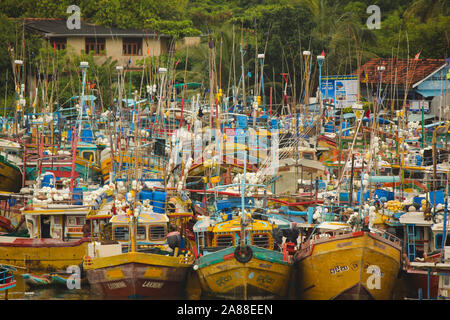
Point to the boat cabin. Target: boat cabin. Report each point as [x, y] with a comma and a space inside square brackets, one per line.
[212, 235]
[151, 229]
[11, 151]
[61, 222]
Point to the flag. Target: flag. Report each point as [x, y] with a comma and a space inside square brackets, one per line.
[148, 51]
[323, 53]
[417, 55]
[364, 76]
[54, 45]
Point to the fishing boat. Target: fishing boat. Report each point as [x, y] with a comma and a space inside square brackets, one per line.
[143, 257]
[337, 263]
[237, 255]
[10, 173]
[54, 279]
[7, 279]
[54, 219]
[34, 281]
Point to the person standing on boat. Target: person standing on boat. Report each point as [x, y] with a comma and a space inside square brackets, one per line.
[86, 230]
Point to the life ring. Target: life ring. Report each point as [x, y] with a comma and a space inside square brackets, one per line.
[243, 254]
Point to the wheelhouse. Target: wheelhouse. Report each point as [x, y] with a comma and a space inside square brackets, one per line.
[151, 229]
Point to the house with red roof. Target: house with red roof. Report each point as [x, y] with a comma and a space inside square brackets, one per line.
[424, 81]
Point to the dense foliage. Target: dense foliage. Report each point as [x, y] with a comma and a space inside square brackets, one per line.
[281, 29]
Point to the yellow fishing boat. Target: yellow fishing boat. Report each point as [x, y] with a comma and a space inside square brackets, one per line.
[56, 240]
[226, 268]
[337, 263]
[106, 163]
[10, 173]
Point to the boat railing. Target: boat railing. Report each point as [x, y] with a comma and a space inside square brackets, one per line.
[6, 276]
[388, 236]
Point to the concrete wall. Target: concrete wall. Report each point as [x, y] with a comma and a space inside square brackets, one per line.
[114, 47]
[440, 105]
[187, 42]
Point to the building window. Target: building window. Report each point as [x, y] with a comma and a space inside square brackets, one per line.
[132, 46]
[224, 241]
[58, 43]
[157, 233]
[121, 234]
[260, 240]
[96, 45]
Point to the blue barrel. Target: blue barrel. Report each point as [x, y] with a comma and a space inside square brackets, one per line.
[436, 197]
[69, 135]
[158, 203]
[366, 196]
[77, 195]
[242, 121]
[274, 124]
[383, 193]
[145, 195]
[418, 200]
[48, 180]
[344, 196]
[87, 136]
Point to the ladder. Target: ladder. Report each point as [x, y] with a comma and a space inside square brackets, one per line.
[411, 241]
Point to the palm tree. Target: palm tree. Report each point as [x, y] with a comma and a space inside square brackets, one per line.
[427, 9]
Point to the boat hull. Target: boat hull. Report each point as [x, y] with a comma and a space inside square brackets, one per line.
[42, 254]
[10, 177]
[138, 275]
[419, 279]
[265, 276]
[355, 266]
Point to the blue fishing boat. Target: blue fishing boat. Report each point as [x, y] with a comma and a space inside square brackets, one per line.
[7, 279]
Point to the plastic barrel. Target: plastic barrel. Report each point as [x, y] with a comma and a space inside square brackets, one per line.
[159, 199]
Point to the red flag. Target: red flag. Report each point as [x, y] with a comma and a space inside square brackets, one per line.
[148, 51]
[54, 45]
[417, 56]
[323, 53]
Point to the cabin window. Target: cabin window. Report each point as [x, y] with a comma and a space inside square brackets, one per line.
[81, 221]
[121, 233]
[445, 282]
[140, 233]
[157, 233]
[308, 156]
[88, 154]
[438, 241]
[72, 221]
[95, 45]
[224, 241]
[417, 175]
[260, 240]
[132, 46]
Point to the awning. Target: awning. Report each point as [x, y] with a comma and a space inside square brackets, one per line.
[418, 117]
[384, 179]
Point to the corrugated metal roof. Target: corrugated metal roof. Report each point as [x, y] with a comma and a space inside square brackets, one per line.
[58, 28]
